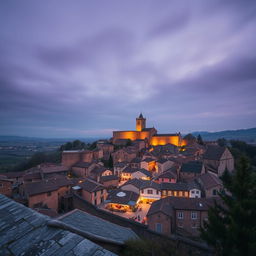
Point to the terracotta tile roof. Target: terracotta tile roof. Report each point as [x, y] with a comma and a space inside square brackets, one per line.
[168, 204]
[214, 152]
[47, 185]
[192, 167]
[124, 197]
[209, 180]
[91, 185]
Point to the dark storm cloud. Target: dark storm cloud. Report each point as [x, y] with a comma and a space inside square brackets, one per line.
[87, 68]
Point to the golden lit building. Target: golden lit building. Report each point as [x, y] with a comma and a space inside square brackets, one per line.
[149, 134]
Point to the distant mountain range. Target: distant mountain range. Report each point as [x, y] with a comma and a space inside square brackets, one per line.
[247, 135]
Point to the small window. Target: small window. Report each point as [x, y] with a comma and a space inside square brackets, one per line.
[1, 185]
[95, 202]
[142, 191]
[159, 227]
[49, 193]
[150, 191]
[192, 192]
[193, 215]
[95, 193]
[197, 192]
[214, 192]
[180, 215]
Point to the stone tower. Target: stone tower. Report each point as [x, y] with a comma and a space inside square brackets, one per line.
[140, 123]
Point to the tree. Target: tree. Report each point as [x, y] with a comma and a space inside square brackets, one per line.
[222, 142]
[231, 226]
[110, 162]
[200, 140]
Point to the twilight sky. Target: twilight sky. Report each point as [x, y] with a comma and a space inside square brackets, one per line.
[85, 68]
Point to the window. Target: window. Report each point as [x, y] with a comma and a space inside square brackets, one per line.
[95, 201]
[49, 193]
[164, 192]
[214, 192]
[180, 215]
[197, 192]
[192, 191]
[193, 215]
[158, 227]
[1, 185]
[95, 193]
[150, 191]
[142, 191]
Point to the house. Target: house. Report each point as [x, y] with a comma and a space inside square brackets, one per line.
[172, 215]
[148, 164]
[141, 174]
[132, 185]
[106, 147]
[81, 169]
[135, 163]
[124, 154]
[122, 200]
[91, 191]
[33, 176]
[127, 173]
[51, 169]
[47, 193]
[5, 186]
[191, 169]
[118, 168]
[109, 181]
[98, 171]
[210, 183]
[163, 165]
[168, 176]
[150, 191]
[180, 189]
[27, 232]
[217, 159]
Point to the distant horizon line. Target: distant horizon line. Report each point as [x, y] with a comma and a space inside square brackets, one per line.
[104, 137]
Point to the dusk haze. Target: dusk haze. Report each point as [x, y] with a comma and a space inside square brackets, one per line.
[79, 69]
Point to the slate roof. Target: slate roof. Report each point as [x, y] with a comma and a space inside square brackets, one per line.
[24, 231]
[165, 134]
[108, 178]
[168, 175]
[135, 182]
[97, 226]
[136, 160]
[144, 171]
[209, 180]
[192, 167]
[214, 152]
[148, 160]
[12, 175]
[129, 198]
[91, 185]
[129, 170]
[150, 184]
[168, 204]
[98, 170]
[47, 185]
[179, 186]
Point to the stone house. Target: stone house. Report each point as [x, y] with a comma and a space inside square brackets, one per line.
[127, 173]
[91, 191]
[150, 191]
[217, 159]
[141, 174]
[5, 186]
[81, 169]
[191, 169]
[98, 171]
[148, 164]
[172, 215]
[119, 167]
[180, 189]
[109, 181]
[169, 176]
[132, 185]
[210, 184]
[135, 163]
[124, 155]
[163, 165]
[47, 193]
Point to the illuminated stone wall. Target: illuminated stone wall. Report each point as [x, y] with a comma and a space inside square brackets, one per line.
[163, 140]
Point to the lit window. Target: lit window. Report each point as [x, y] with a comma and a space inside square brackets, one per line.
[180, 215]
[193, 215]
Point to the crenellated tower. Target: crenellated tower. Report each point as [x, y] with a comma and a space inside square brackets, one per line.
[140, 123]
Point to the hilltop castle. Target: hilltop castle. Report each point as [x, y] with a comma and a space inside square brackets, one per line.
[149, 134]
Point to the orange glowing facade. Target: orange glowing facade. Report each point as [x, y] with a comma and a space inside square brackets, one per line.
[150, 134]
